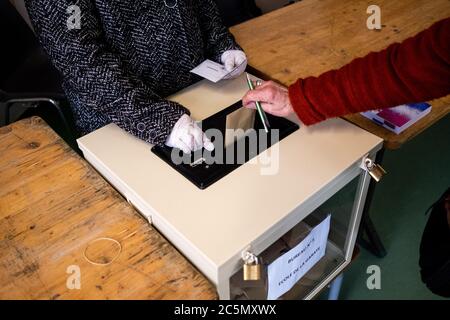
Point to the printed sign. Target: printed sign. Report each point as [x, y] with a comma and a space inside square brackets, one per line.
[289, 268]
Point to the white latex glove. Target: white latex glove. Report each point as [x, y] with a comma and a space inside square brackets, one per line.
[187, 136]
[235, 62]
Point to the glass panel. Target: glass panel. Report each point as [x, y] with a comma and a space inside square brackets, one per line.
[340, 207]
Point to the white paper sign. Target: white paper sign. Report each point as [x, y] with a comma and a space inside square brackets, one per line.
[285, 271]
[210, 70]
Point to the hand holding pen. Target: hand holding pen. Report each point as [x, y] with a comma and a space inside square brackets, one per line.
[272, 97]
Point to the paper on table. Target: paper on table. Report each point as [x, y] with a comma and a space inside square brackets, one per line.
[210, 70]
[238, 122]
[288, 269]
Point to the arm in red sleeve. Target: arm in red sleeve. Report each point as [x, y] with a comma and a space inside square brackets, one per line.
[416, 70]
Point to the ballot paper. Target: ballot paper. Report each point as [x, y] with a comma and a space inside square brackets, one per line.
[237, 124]
[210, 70]
[289, 268]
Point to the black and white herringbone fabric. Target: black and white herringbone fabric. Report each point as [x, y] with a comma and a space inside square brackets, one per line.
[127, 56]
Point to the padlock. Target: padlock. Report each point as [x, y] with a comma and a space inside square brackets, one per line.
[376, 171]
[252, 270]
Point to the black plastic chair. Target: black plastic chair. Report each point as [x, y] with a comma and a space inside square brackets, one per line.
[28, 77]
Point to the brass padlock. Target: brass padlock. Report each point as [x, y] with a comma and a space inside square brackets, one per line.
[252, 270]
[376, 171]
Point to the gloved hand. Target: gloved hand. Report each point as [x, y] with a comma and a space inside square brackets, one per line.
[234, 59]
[187, 136]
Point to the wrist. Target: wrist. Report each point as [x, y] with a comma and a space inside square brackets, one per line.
[177, 127]
[300, 105]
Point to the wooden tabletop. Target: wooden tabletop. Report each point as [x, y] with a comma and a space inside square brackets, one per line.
[58, 215]
[313, 36]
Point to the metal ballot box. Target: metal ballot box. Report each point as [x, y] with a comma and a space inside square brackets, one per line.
[263, 207]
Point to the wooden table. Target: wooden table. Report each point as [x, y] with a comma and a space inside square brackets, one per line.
[53, 207]
[314, 36]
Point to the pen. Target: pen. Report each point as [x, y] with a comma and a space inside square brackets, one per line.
[261, 112]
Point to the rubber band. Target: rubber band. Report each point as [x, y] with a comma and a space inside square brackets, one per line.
[98, 263]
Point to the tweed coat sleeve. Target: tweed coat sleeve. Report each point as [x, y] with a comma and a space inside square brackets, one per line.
[216, 36]
[97, 75]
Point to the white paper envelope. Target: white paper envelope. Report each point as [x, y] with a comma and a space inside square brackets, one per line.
[244, 119]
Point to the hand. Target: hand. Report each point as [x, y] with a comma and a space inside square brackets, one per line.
[187, 136]
[235, 62]
[273, 97]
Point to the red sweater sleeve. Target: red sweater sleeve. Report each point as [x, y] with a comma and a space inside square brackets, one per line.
[416, 70]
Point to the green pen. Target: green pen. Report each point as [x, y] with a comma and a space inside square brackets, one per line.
[261, 112]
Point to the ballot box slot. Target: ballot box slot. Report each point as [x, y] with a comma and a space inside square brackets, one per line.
[204, 168]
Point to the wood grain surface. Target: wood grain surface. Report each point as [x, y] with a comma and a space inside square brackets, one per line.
[53, 209]
[313, 36]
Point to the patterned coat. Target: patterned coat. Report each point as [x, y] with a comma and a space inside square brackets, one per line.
[127, 56]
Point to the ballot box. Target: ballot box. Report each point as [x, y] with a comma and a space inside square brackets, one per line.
[287, 219]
